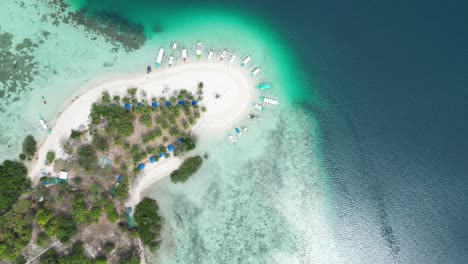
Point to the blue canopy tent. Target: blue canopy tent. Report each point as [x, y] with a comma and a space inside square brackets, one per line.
[141, 166]
[168, 103]
[170, 148]
[162, 154]
[128, 106]
[194, 102]
[139, 104]
[119, 178]
[152, 159]
[154, 104]
[181, 102]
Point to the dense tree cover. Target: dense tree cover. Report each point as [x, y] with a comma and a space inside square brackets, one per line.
[87, 158]
[15, 229]
[80, 212]
[66, 228]
[121, 191]
[148, 222]
[111, 213]
[50, 157]
[29, 146]
[187, 144]
[188, 167]
[13, 181]
[75, 134]
[42, 239]
[47, 221]
[118, 119]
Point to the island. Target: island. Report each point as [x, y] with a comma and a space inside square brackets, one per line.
[78, 196]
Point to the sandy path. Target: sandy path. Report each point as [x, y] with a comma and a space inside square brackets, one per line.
[233, 83]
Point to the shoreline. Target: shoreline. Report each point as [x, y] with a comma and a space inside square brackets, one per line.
[233, 83]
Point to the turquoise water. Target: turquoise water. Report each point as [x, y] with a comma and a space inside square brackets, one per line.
[265, 200]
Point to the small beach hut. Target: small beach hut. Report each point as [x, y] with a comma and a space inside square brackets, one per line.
[152, 159]
[194, 102]
[141, 166]
[139, 104]
[181, 102]
[170, 148]
[63, 176]
[162, 154]
[168, 104]
[128, 106]
[154, 104]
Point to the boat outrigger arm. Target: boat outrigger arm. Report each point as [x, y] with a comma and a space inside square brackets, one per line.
[44, 124]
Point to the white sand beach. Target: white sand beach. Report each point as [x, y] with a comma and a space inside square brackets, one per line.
[232, 83]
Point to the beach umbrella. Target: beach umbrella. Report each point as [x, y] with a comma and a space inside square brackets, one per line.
[180, 140]
[141, 166]
[181, 102]
[152, 159]
[154, 104]
[128, 106]
[194, 102]
[162, 154]
[170, 147]
[139, 104]
[168, 103]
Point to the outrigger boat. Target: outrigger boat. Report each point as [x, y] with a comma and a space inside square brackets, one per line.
[160, 57]
[238, 131]
[257, 106]
[184, 54]
[210, 54]
[198, 50]
[263, 86]
[245, 61]
[269, 101]
[233, 58]
[231, 139]
[171, 60]
[223, 54]
[255, 72]
[174, 46]
[44, 124]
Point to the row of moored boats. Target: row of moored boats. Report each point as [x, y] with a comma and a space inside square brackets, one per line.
[199, 53]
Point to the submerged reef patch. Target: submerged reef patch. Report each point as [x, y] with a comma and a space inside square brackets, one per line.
[17, 67]
[115, 29]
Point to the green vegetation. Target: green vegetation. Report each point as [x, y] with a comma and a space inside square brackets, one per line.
[153, 134]
[111, 213]
[13, 182]
[100, 143]
[50, 156]
[189, 167]
[75, 134]
[121, 191]
[148, 221]
[29, 146]
[119, 120]
[16, 229]
[187, 144]
[66, 228]
[87, 158]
